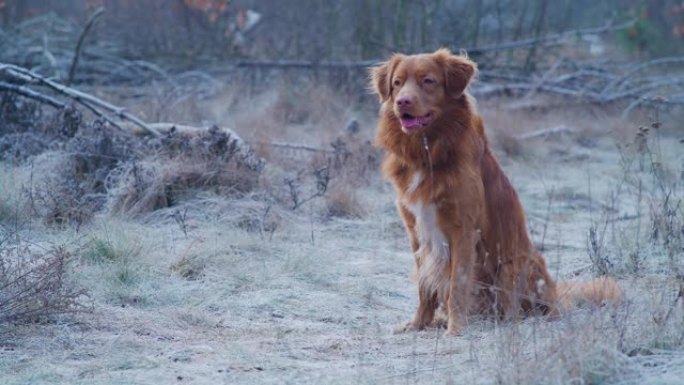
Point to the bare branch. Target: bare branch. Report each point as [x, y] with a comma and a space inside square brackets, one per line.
[543, 132]
[548, 40]
[87, 100]
[31, 94]
[81, 38]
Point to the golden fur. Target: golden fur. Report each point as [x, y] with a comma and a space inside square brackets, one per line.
[463, 217]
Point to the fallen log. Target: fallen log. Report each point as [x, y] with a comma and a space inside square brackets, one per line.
[95, 105]
[31, 94]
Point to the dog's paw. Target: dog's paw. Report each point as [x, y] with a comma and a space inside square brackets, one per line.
[453, 333]
[405, 328]
[453, 330]
[554, 314]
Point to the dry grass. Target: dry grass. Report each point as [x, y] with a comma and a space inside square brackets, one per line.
[343, 202]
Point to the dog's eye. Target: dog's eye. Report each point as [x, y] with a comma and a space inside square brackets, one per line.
[397, 82]
[429, 81]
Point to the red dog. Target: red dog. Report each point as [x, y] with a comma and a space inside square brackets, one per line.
[464, 219]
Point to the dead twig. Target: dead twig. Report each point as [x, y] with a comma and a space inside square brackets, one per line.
[77, 52]
[543, 132]
[294, 147]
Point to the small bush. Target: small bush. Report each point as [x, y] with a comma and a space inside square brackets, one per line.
[211, 160]
[34, 286]
[63, 201]
[190, 267]
[510, 144]
[100, 250]
[342, 201]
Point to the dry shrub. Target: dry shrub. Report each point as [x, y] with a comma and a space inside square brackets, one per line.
[81, 166]
[19, 128]
[607, 344]
[356, 160]
[17, 114]
[578, 352]
[69, 185]
[212, 160]
[652, 239]
[190, 267]
[310, 112]
[311, 103]
[258, 214]
[356, 164]
[342, 201]
[510, 144]
[333, 174]
[63, 201]
[286, 101]
[34, 286]
[26, 131]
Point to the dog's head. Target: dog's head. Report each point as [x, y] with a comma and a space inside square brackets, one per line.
[418, 88]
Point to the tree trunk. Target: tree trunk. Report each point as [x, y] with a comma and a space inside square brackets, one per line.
[400, 26]
[538, 26]
[477, 17]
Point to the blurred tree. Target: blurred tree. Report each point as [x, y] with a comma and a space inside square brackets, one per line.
[351, 29]
[656, 31]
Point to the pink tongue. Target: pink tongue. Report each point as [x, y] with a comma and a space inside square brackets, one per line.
[411, 122]
[415, 122]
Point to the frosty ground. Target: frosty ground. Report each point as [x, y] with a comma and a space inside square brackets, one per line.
[242, 289]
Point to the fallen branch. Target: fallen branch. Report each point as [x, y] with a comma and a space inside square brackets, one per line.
[89, 101]
[294, 147]
[307, 64]
[642, 66]
[542, 132]
[547, 40]
[31, 94]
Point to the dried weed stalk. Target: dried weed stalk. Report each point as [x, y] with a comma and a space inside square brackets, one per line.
[620, 243]
[34, 285]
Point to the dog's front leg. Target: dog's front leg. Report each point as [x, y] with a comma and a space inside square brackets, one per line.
[462, 262]
[410, 225]
[425, 313]
[427, 298]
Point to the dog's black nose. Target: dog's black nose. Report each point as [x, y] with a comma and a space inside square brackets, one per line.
[404, 101]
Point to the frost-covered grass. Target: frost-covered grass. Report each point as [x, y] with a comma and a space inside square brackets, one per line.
[243, 289]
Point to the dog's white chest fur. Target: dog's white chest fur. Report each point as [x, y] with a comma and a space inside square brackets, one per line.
[433, 252]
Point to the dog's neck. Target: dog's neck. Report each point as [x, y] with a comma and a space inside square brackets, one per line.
[430, 149]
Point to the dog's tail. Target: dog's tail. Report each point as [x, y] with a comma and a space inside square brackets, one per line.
[597, 292]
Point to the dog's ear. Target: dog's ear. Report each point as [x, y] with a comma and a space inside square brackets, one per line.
[381, 77]
[458, 71]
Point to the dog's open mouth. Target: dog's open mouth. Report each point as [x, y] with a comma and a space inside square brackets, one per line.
[411, 123]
